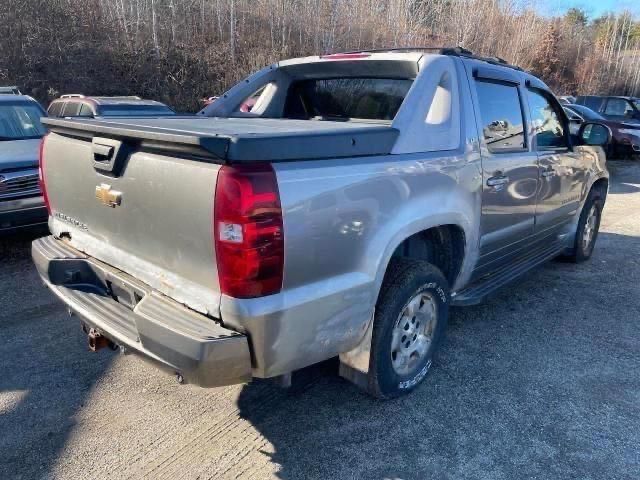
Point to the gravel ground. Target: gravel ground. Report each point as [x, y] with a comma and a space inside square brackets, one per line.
[542, 381]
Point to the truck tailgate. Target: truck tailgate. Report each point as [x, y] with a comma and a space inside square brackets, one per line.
[139, 194]
[151, 218]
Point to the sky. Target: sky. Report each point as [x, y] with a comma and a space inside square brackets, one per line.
[594, 8]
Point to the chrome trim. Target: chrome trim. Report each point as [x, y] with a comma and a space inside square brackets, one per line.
[19, 184]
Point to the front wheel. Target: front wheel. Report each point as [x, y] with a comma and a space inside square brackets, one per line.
[588, 228]
[410, 320]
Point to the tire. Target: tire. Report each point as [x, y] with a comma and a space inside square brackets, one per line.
[582, 250]
[400, 362]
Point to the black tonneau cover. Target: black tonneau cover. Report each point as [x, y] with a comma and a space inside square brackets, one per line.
[240, 139]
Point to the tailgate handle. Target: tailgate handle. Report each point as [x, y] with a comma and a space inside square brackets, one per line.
[104, 151]
[108, 155]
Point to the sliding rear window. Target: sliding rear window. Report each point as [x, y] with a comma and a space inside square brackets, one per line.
[346, 98]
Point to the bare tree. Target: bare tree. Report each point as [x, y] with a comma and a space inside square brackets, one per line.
[181, 50]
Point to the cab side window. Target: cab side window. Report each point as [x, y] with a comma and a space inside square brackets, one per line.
[547, 121]
[71, 109]
[501, 114]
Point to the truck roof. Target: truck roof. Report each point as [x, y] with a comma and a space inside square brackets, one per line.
[413, 54]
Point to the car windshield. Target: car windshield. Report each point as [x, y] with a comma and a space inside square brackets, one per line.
[585, 112]
[134, 110]
[346, 98]
[20, 121]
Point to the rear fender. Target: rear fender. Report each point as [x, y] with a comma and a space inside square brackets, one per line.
[354, 364]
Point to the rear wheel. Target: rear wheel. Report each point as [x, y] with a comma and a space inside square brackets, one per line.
[409, 323]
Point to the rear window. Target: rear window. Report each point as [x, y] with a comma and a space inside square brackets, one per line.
[134, 110]
[346, 98]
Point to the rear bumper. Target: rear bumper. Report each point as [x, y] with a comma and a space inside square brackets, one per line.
[145, 322]
[22, 213]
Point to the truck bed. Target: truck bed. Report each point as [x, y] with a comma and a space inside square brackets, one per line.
[241, 139]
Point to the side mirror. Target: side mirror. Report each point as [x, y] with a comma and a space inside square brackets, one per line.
[592, 133]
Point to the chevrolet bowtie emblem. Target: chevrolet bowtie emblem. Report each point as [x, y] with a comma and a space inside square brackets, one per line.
[108, 197]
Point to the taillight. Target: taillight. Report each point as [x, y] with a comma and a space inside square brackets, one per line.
[42, 183]
[248, 231]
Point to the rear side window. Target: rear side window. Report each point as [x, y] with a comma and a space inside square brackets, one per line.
[547, 122]
[346, 98]
[71, 109]
[618, 107]
[55, 109]
[501, 115]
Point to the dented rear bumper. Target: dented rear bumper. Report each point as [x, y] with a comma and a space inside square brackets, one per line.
[133, 315]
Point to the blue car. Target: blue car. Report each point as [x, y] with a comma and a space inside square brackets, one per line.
[22, 204]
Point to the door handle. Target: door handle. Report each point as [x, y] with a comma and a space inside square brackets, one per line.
[497, 181]
[100, 150]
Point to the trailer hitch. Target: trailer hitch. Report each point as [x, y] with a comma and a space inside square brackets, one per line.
[98, 341]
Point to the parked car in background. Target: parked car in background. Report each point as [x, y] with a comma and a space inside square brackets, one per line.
[10, 90]
[361, 196]
[208, 100]
[21, 201]
[620, 109]
[566, 99]
[75, 105]
[625, 137]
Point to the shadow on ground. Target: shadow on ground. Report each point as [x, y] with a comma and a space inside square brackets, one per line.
[542, 381]
[625, 173]
[46, 371]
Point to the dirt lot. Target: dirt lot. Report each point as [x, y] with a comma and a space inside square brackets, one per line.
[543, 381]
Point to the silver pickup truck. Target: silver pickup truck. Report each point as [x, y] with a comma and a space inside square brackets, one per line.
[325, 206]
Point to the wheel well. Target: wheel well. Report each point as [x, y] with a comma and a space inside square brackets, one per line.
[442, 246]
[601, 185]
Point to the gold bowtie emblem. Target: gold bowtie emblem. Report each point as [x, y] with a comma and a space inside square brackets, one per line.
[108, 197]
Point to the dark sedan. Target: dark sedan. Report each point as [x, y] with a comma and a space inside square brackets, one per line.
[625, 136]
